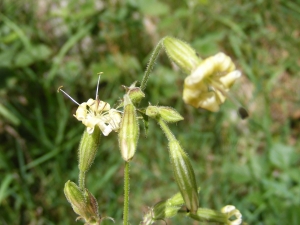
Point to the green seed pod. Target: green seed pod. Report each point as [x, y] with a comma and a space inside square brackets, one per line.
[169, 114]
[177, 199]
[184, 175]
[88, 147]
[129, 130]
[83, 203]
[181, 54]
[76, 198]
[91, 207]
[163, 210]
[209, 215]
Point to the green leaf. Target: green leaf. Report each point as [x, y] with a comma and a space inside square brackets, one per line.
[4, 112]
[281, 155]
[4, 187]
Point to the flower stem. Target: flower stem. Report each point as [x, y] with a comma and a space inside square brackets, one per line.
[151, 64]
[166, 130]
[126, 193]
[81, 180]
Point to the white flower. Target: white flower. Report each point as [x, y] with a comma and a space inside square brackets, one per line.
[231, 211]
[207, 85]
[98, 113]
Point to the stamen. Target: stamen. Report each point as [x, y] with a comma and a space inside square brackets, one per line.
[113, 123]
[97, 89]
[103, 107]
[60, 89]
[241, 110]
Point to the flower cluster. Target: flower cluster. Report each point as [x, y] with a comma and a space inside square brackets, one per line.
[206, 86]
[98, 113]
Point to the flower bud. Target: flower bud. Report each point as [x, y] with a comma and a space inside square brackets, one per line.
[181, 54]
[135, 94]
[209, 215]
[88, 147]
[152, 111]
[164, 209]
[184, 175]
[129, 130]
[92, 205]
[83, 203]
[167, 114]
[229, 215]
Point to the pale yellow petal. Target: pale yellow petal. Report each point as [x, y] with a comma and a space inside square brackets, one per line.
[81, 112]
[105, 128]
[206, 87]
[115, 119]
[205, 69]
[223, 63]
[230, 78]
[98, 106]
[206, 100]
[103, 106]
[209, 101]
[220, 96]
[90, 102]
[90, 130]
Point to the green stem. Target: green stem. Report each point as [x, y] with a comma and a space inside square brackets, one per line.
[166, 130]
[81, 180]
[151, 64]
[126, 193]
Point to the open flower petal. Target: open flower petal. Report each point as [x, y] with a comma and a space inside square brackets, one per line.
[98, 113]
[230, 78]
[231, 211]
[207, 85]
[105, 128]
[81, 112]
[98, 106]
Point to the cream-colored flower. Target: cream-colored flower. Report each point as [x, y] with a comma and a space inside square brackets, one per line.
[208, 84]
[231, 211]
[98, 113]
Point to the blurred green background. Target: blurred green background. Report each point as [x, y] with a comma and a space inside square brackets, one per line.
[252, 164]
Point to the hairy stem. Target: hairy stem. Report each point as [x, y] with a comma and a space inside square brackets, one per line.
[81, 180]
[126, 193]
[151, 64]
[166, 130]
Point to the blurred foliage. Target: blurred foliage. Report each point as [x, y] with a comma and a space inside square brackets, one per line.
[252, 164]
